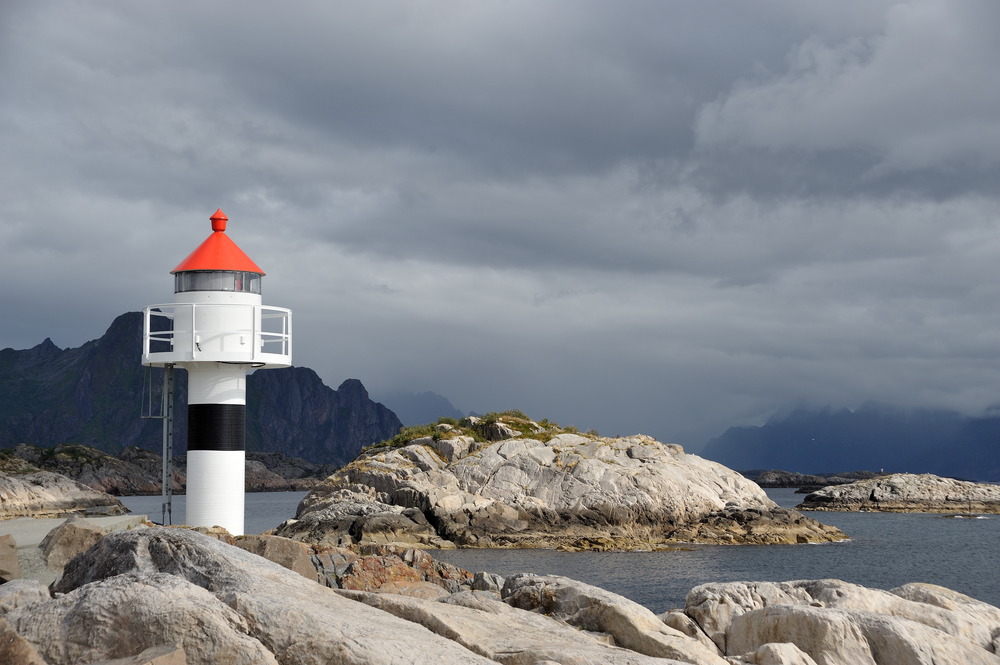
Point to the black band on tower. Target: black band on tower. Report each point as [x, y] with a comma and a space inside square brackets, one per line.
[217, 426]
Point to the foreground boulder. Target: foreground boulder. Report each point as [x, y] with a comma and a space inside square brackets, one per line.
[170, 594]
[905, 492]
[70, 538]
[593, 609]
[218, 602]
[221, 604]
[46, 494]
[540, 488]
[10, 567]
[837, 623]
[493, 629]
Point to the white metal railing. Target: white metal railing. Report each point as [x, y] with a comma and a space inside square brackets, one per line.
[261, 335]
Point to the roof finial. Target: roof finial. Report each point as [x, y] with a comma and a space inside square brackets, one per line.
[219, 220]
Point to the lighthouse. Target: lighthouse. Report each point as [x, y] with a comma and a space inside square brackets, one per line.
[219, 331]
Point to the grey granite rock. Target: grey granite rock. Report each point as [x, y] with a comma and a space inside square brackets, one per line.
[569, 491]
[291, 617]
[135, 593]
[70, 538]
[123, 615]
[593, 609]
[10, 567]
[20, 593]
[46, 494]
[501, 633]
[837, 623]
[905, 492]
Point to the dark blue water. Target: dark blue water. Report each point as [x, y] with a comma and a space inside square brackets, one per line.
[885, 550]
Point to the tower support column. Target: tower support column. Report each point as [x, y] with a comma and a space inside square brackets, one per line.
[216, 446]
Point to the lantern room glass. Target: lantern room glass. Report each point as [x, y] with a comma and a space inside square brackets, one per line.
[217, 280]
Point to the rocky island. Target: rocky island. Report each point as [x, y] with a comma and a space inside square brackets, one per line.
[805, 482]
[907, 493]
[507, 481]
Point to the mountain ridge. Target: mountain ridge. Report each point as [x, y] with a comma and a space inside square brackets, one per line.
[94, 395]
[874, 437]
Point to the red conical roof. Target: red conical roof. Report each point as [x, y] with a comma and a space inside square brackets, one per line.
[218, 252]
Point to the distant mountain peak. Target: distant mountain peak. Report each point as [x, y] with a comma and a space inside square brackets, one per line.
[415, 408]
[871, 437]
[90, 395]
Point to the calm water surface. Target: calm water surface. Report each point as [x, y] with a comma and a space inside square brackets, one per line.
[885, 550]
[264, 510]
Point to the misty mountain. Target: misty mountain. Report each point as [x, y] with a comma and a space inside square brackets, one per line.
[420, 408]
[873, 437]
[95, 395]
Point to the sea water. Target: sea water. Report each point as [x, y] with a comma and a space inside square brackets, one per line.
[885, 550]
[264, 510]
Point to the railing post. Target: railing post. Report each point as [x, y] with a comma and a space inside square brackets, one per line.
[194, 327]
[145, 333]
[255, 337]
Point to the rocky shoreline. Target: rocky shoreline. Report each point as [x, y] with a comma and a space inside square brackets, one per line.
[138, 472]
[356, 586]
[182, 596]
[507, 481]
[805, 482]
[47, 494]
[904, 492]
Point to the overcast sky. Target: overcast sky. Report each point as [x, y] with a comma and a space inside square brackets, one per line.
[643, 216]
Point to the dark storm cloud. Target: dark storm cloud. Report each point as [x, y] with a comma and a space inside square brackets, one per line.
[655, 217]
[905, 109]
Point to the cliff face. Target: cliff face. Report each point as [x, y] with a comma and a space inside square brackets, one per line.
[93, 395]
[291, 411]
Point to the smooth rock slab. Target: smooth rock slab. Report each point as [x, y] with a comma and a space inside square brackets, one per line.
[841, 622]
[503, 634]
[845, 637]
[593, 609]
[122, 616]
[46, 494]
[297, 620]
[165, 654]
[777, 653]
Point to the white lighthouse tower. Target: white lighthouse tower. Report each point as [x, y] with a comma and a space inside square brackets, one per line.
[218, 330]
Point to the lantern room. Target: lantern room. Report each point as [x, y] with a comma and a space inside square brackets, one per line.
[217, 314]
